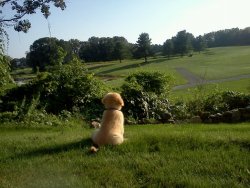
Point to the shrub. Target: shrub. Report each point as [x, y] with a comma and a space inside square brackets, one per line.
[145, 94]
[5, 78]
[68, 88]
[155, 82]
[218, 102]
[180, 111]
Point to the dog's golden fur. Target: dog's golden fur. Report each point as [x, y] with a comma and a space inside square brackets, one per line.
[112, 124]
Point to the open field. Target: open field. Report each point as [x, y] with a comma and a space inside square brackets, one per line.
[154, 155]
[242, 85]
[213, 64]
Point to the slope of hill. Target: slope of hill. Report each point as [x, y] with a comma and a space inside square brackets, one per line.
[213, 64]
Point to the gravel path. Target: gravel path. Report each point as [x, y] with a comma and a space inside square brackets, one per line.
[194, 80]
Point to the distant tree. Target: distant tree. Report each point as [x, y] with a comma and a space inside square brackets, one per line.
[18, 63]
[168, 48]
[143, 45]
[45, 51]
[156, 49]
[183, 42]
[244, 36]
[72, 47]
[199, 43]
[105, 49]
[75, 46]
[209, 38]
[56, 55]
[121, 48]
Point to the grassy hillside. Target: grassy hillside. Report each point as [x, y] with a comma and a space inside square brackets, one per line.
[242, 85]
[153, 155]
[213, 64]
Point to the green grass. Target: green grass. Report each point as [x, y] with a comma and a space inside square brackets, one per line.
[215, 63]
[242, 86]
[153, 156]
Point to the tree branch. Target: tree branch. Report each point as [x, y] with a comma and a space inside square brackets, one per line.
[13, 19]
[3, 2]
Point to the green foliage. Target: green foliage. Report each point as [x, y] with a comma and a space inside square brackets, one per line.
[227, 100]
[153, 81]
[217, 102]
[168, 48]
[145, 95]
[180, 110]
[45, 52]
[69, 88]
[143, 45]
[105, 49]
[183, 42]
[20, 9]
[5, 78]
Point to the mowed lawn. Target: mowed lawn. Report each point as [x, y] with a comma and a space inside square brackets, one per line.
[213, 64]
[182, 155]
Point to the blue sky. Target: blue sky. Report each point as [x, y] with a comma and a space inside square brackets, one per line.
[161, 19]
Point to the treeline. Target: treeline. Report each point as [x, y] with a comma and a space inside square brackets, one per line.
[228, 37]
[51, 51]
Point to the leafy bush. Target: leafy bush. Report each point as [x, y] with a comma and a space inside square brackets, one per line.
[68, 88]
[155, 82]
[217, 102]
[144, 94]
[5, 76]
[180, 111]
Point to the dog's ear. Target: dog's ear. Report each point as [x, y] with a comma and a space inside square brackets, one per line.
[121, 102]
[103, 100]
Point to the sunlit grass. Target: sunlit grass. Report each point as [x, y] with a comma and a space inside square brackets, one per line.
[242, 85]
[152, 156]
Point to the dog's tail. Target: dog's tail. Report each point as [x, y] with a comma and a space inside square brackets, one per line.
[94, 148]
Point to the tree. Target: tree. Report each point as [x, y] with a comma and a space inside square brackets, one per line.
[104, 49]
[182, 42]
[168, 47]
[200, 43]
[45, 51]
[19, 10]
[121, 50]
[18, 63]
[22, 8]
[143, 45]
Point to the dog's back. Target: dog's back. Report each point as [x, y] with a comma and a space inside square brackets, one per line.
[112, 128]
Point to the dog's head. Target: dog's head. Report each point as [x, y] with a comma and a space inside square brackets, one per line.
[113, 100]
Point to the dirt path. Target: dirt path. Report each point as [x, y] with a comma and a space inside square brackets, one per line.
[194, 80]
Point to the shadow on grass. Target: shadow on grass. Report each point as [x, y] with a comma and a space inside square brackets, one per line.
[99, 66]
[51, 150]
[137, 65]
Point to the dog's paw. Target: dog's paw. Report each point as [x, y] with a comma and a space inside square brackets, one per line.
[93, 149]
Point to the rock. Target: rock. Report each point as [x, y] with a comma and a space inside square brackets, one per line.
[236, 115]
[216, 118]
[165, 117]
[245, 113]
[195, 119]
[227, 117]
[204, 116]
[171, 121]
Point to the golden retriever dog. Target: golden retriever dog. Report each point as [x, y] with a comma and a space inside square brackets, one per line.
[112, 123]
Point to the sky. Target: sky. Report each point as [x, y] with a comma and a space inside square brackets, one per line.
[161, 19]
